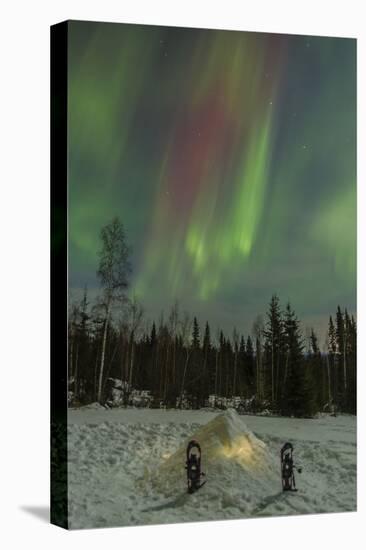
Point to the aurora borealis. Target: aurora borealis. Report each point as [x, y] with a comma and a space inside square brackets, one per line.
[230, 158]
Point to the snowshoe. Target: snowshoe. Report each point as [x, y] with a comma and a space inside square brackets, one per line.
[287, 468]
[193, 467]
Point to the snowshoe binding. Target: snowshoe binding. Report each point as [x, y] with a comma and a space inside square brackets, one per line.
[287, 468]
[193, 467]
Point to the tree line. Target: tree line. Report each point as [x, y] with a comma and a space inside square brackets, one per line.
[181, 363]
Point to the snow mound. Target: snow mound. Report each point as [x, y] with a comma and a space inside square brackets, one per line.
[229, 451]
[92, 407]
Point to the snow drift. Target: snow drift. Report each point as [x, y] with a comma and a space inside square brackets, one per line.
[126, 466]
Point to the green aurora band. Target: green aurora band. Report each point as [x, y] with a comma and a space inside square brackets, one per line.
[230, 157]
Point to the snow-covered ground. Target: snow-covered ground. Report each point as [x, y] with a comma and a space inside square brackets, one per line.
[126, 467]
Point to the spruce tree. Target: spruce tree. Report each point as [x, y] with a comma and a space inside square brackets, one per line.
[195, 386]
[297, 397]
[221, 364]
[260, 374]
[273, 345]
[341, 357]
[195, 334]
[351, 352]
[242, 345]
[250, 367]
[207, 381]
[153, 335]
[82, 360]
[228, 368]
[241, 367]
[317, 372]
[235, 361]
[332, 350]
[207, 338]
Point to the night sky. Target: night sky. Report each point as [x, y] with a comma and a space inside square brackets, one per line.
[230, 158]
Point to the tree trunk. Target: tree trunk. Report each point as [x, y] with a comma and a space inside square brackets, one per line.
[127, 362]
[235, 372]
[226, 380]
[277, 375]
[204, 380]
[328, 373]
[166, 373]
[184, 378]
[344, 363]
[216, 373]
[174, 361]
[76, 372]
[220, 375]
[156, 371]
[285, 375]
[71, 366]
[132, 346]
[122, 360]
[95, 376]
[104, 341]
[273, 388]
[161, 370]
[260, 370]
[336, 369]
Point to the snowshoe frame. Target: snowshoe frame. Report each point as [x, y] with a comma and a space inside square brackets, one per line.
[287, 468]
[193, 466]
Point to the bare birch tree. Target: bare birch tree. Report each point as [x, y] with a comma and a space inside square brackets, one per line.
[113, 272]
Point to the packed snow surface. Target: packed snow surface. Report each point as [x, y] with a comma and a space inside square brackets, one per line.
[126, 466]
